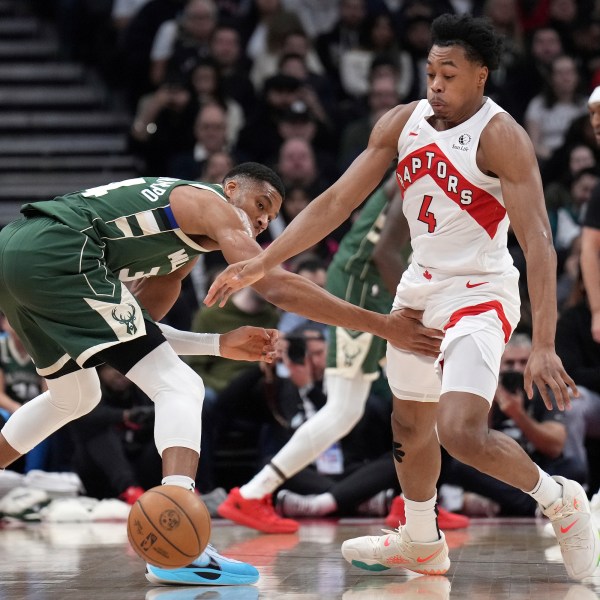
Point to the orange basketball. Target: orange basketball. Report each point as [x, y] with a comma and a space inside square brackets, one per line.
[169, 526]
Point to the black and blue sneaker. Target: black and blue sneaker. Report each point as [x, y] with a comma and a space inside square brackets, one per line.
[210, 568]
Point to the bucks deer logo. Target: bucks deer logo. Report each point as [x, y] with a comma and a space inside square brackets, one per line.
[127, 319]
[351, 351]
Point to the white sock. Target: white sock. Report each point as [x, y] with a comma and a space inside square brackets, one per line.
[181, 480]
[546, 491]
[266, 481]
[421, 520]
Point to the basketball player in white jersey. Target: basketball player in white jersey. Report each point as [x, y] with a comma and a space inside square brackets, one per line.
[464, 168]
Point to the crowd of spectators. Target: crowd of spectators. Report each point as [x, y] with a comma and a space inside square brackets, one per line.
[298, 85]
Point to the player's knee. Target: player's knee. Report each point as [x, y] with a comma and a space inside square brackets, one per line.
[461, 442]
[74, 395]
[185, 387]
[409, 427]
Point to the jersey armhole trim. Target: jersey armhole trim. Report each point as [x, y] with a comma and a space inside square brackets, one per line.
[171, 217]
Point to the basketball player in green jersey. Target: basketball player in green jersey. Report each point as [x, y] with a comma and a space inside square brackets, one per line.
[63, 269]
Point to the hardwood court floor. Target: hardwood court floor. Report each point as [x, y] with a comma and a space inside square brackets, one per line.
[491, 560]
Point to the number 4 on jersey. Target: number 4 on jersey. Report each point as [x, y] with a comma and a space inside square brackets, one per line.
[425, 216]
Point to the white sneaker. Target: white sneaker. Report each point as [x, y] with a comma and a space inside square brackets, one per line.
[396, 549]
[57, 485]
[23, 504]
[575, 531]
[9, 480]
[110, 509]
[66, 510]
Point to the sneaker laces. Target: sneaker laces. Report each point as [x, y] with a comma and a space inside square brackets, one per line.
[567, 510]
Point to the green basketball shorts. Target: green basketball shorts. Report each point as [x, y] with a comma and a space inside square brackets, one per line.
[59, 295]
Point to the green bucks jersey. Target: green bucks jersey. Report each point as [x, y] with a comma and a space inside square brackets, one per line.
[132, 220]
[22, 383]
[355, 253]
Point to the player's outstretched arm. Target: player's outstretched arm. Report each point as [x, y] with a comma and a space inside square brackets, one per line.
[243, 343]
[324, 213]
[506, 151]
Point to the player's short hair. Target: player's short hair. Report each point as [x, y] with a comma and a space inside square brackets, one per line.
[475, 35]
[257, 172]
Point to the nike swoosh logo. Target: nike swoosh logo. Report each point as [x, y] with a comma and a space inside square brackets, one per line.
[412, 133]
[472, 285]
[420, 559]
[386, 542]
[565, 529]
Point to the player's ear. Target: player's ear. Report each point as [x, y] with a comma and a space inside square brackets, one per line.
[229, 186]
[483, 75]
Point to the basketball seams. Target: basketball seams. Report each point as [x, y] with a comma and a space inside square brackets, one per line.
[203, 507]
[149, 511]
[167, 540]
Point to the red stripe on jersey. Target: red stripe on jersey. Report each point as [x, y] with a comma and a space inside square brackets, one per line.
[430, 160]
[478, 309]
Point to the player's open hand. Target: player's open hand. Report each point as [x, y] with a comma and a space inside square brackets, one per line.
[234, 278]
[407, 332]
[249, 343]
[545, 369]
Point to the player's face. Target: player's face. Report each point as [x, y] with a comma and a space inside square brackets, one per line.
[595, 120]
[258, 199]
[454, 83]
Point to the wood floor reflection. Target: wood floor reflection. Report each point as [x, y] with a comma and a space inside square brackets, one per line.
[499, 560]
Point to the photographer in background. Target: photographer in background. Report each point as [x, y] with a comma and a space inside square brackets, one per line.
[539, 431]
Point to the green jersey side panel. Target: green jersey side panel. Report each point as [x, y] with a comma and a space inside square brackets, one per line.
[355, 253]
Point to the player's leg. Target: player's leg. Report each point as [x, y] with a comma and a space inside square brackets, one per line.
[68, 397]
[469, 382]
[418, 546]
[347, 384]
[178, 393]
[251, 505]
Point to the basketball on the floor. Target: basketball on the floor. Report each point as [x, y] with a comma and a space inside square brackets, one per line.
[169, 526]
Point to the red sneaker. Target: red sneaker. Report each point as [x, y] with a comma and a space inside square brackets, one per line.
[131, 494]
[257, 514]
[446, 519]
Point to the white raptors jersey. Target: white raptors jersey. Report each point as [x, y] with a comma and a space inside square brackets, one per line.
[456, 214]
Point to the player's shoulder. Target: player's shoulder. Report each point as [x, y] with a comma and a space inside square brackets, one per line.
[390, 125]
[399, 115]
[503, 130]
